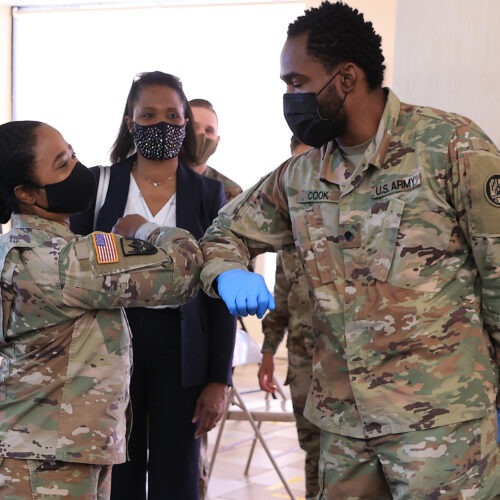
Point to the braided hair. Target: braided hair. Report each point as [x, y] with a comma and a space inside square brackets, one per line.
[338, 33]
[17, 159]
[124, 145]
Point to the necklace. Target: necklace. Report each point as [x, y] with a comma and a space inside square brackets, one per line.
[151, 181]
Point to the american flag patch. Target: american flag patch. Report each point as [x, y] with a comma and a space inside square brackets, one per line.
[105, 248]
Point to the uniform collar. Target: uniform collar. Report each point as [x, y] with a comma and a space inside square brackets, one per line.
[376, 150]
[380, 144]
[22, 221]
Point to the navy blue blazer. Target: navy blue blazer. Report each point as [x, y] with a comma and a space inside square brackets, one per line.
[207, 327]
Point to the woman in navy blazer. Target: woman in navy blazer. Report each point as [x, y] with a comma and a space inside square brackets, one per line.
[183, 356]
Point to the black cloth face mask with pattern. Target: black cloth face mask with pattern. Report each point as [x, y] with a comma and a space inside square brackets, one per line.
[160, 141]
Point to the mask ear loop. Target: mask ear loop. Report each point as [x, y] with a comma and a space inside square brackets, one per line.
[327, 83]
[339, 107]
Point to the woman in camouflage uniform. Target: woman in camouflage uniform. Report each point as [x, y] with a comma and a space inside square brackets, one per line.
[65, 344]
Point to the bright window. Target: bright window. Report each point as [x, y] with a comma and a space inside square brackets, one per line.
[73, 70]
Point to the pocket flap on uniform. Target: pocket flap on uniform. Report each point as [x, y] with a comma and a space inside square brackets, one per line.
[319, 246]
[388, 238]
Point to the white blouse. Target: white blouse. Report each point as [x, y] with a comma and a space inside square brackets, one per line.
[137, 205]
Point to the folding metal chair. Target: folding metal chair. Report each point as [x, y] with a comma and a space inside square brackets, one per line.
[247, 351]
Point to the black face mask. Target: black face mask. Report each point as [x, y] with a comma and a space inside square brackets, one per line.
[161, 141]
[305, 121]
[74, 194]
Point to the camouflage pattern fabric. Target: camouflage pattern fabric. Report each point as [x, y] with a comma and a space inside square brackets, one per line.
[51, 480]
[231, 189]
[452, 462]
[65, 343]
[403, 260]
[293, 314]
[299, 378]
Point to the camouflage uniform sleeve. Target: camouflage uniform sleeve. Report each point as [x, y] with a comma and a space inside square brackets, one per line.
[105, 271]
[257, 221]
[275, 322]
[231, 188]
[475, 187]
[232, 191]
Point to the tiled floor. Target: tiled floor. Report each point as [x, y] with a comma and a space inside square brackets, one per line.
[228, 481]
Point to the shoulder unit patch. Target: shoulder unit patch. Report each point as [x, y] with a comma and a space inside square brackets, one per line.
[492, 189]
[134, 246]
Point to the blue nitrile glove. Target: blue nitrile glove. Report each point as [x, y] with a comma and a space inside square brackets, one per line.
[244, 292]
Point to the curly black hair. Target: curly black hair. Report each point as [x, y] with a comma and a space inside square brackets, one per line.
[338, 33]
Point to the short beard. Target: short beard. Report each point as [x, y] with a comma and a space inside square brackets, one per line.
[333, 110]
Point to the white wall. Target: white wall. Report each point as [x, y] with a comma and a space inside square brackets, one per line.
[446, 56]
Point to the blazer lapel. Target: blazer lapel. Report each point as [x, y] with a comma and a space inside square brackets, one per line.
[116, 198]
[188, 201]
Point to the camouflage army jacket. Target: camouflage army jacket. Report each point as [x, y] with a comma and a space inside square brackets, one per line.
[293, 312]
[403, 258]
[231, 189]
[65, 343]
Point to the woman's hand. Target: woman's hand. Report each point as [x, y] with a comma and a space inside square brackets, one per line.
[127, 226]
[209, 407]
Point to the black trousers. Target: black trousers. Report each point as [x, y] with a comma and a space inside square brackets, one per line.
[162, 450]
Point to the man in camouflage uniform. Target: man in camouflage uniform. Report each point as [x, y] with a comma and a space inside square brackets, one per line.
[65, 352]
[207, 134]
[293, 314]
[401, 249]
